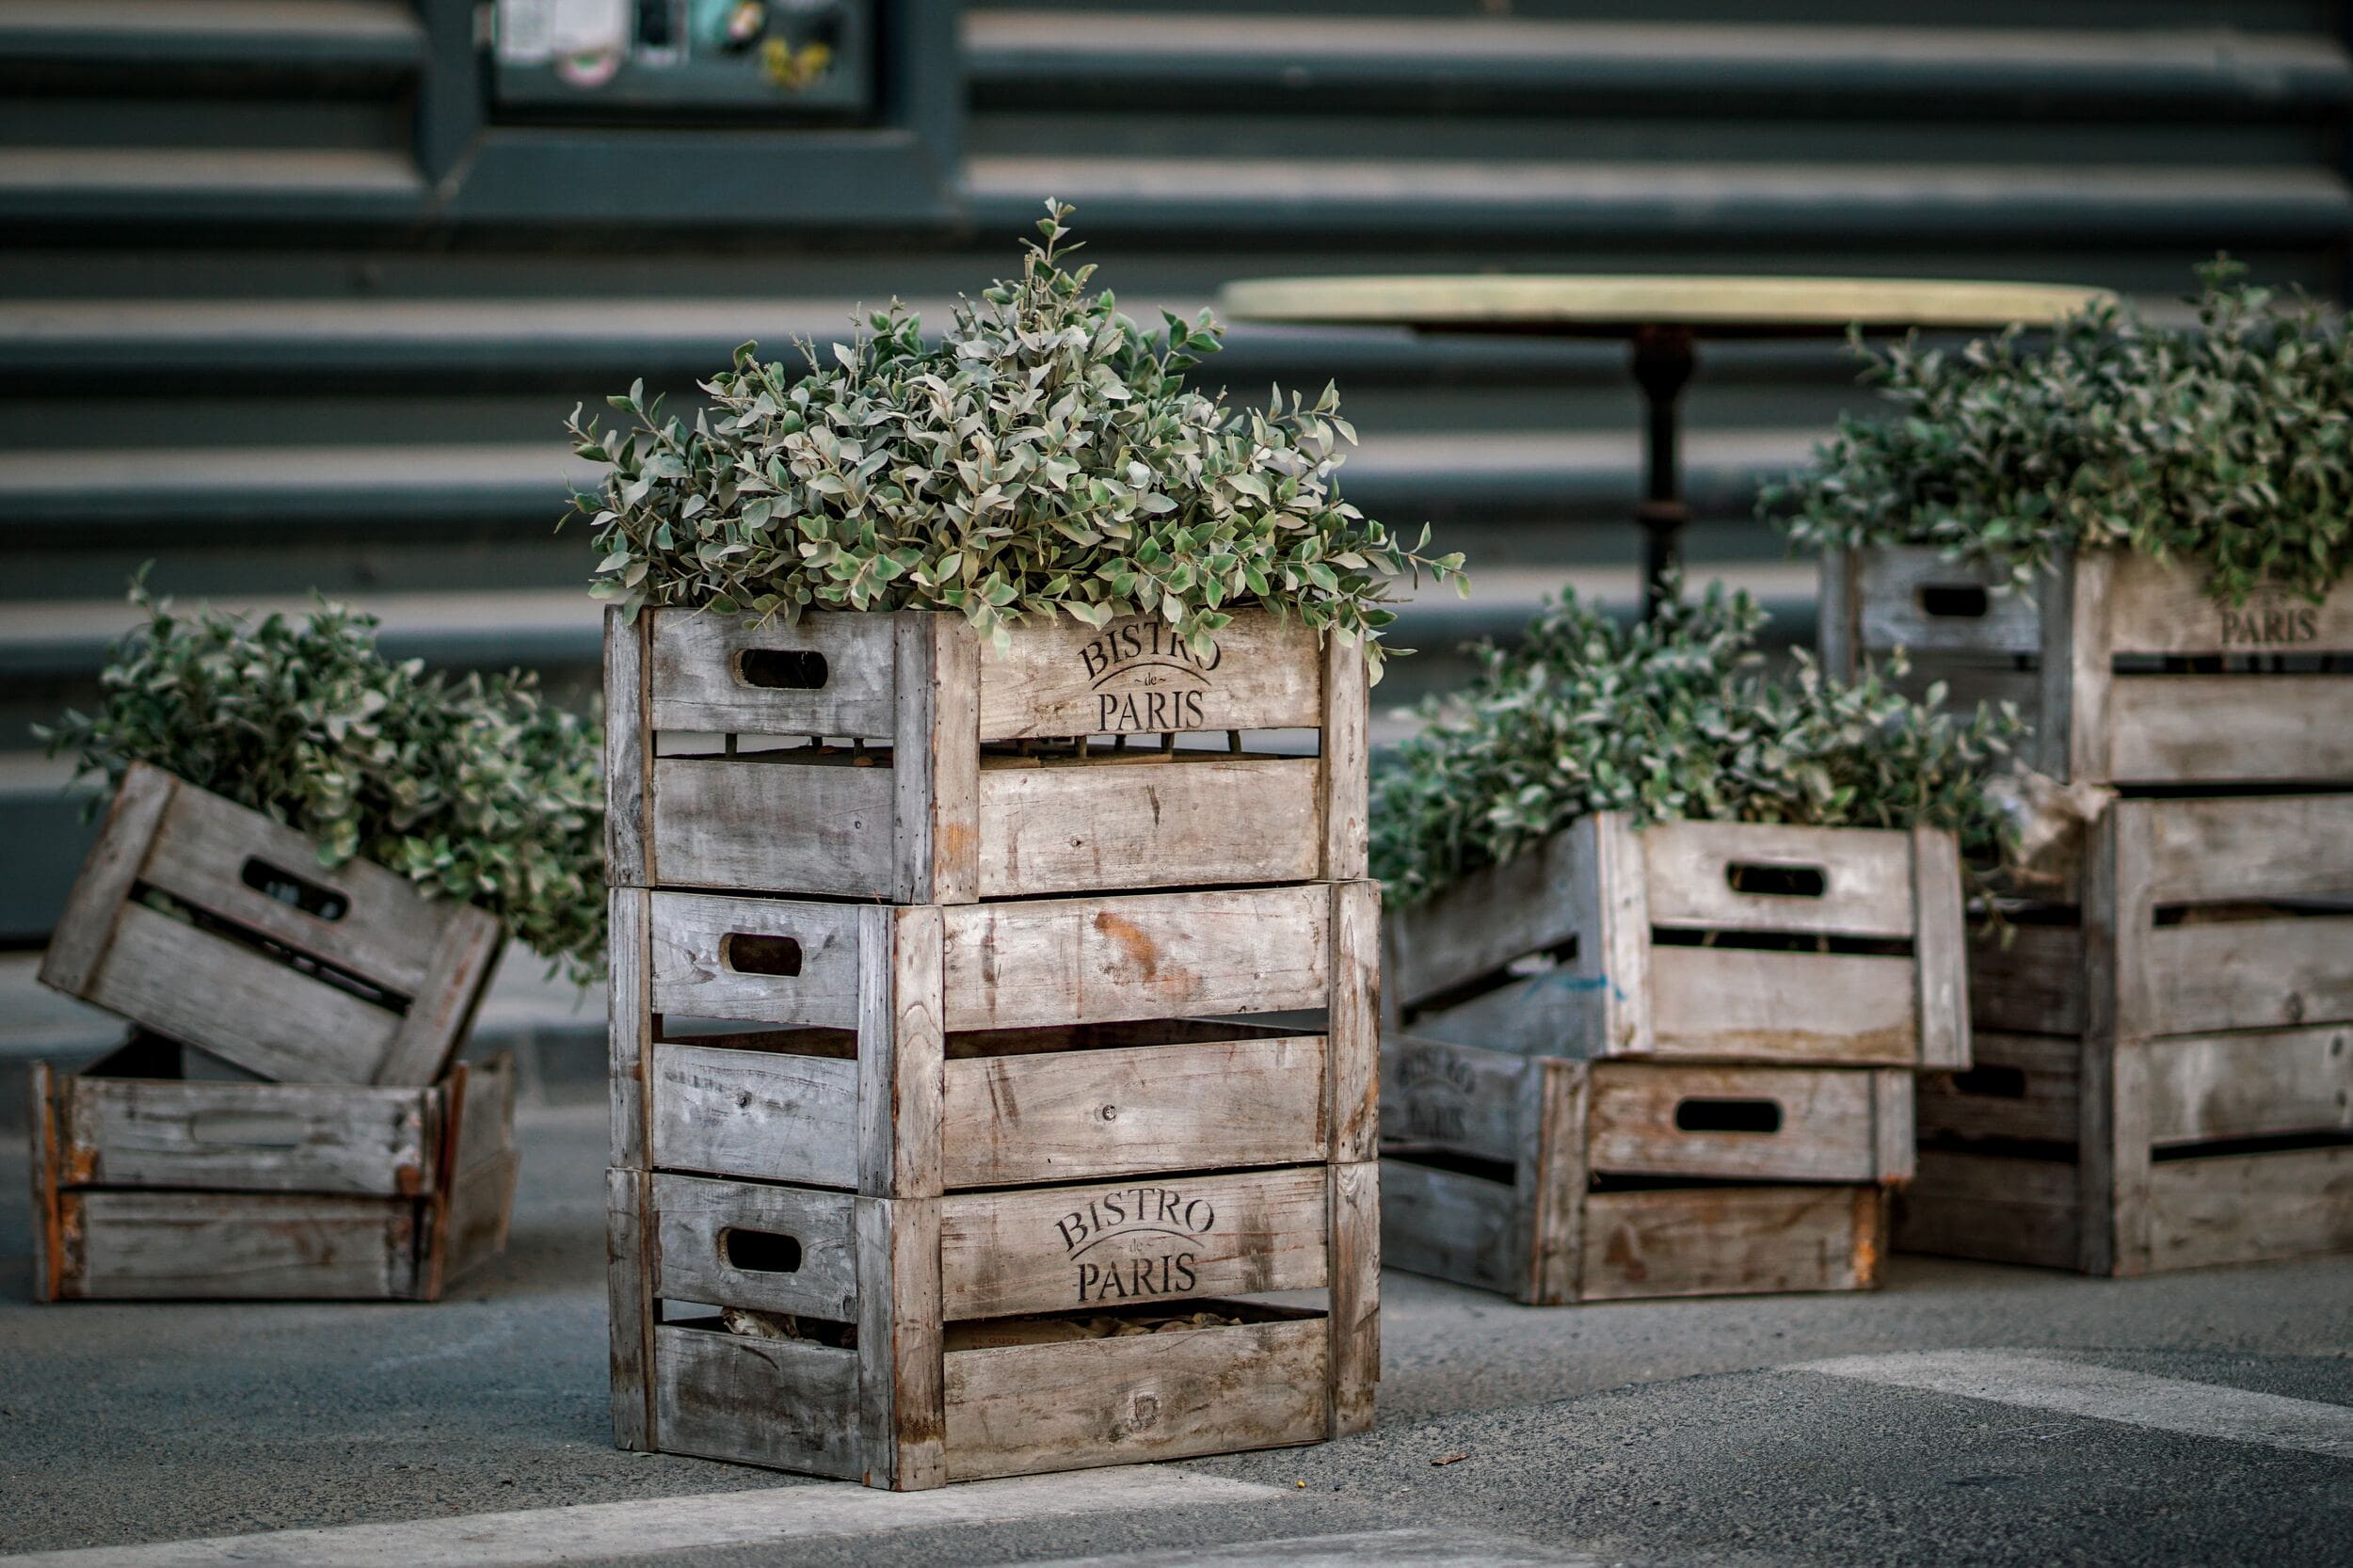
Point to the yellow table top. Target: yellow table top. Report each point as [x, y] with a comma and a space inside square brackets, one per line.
[1603, 306]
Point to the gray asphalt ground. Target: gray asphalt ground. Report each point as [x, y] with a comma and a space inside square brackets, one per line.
[1661, 1432]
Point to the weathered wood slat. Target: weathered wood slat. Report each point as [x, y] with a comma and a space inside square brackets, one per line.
[1867, 878]
[480, 1211]
[2246, 846]
[2244, 974]
[2264, 1083]
[1013, 1410]
[628, 751]
[1059, 677]
[901, 1394]
[732, 1243]
[43, 1135]
[281, 1247]
[1910, 596]
[1071, 827]
[2250, 1207]
[245, 1137]
[1739, 1004]
[1476, 925]
[901, 1051]
[1353, 1279]
[787, 1403]
[766, 1115]
[1454, 1097]
[629, 1264]
[2032, 984]
[2019, 1087]
[702, 682]
[628, 1023]
[441, 1014]
[699, 972]
[935, 762]
[1732, 1241]
[1345, 759]
[1940, 949]
[1153, 1239]
[1452, 1225]
[2164, 607]
[761, 823]
[2189, 729]
[1997, 1207]
[1825, 1129]
[87, 925]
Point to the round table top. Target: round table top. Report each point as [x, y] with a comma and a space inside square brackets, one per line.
[1577, 305]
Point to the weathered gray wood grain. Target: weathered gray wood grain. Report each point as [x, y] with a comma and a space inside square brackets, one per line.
[1452, 1227]
[692, 1217]
[901, 1415]
[1867, 873]
[1185, 822]
[700, 684]
[1827, 1130]
[628, 1270]
[245, 1137]
[628, 750]
[629, 1021]
[765, 1115]
[2000, 1208]
[280, 1246]
[1059, 677]
[693, 977]
[1346, 758]
[2022, 1087]
[86, 926]
[790, 1404]
[441, 1014]
[1354, 1276]
[2256, 1083]
[1737, 1004]
[1731, 1240]
[2249, 1208]
[1940, 949]
[902, 1050]
[769, 823]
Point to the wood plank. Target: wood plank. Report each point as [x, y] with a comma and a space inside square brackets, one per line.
[1346, 757]
[86, 926]
[1016, 1409]
[2264, 1083]
[702, 1227]
[1083, 1116]
[2074, 710]
[2032, 982]
[1728, 1240]
[1354, 1276]
[901, 1412]
[765, 823]
[1158, 1239]
[1903, 591]
[1474, 927]
[628, 750]
[2243, 847]
[1623, 982]
[1940, 948]
[1824, 1129]
[2163, 607]
[1999, 1207]
[1741, 1005]
[2201, 729]
[935, 761]
[1354, 1018]
[481, 1207]
[42, 1138]
[2245, 974]
[1073, 827]
[1894, 1124]
[1063, 961]
[241, 1005]
[1452, 1227]
[1837, 620]
[2250, 1207]
[251, 1246]
[1060, 676]
[1551, 1176]
[245, 1137]
[441, 1014]
[763, 1115]
[628, 1023]
[1551, 1014]
[632, 1313]
[693, 976]
[790, 1404]
[1461, 1100]
[1867, 876]
[2021, 1086]
[901, 1052]
[699, 682]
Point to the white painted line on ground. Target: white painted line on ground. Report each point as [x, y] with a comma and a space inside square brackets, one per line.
[2046, 1382]
[771, 1515]
[1399, 1548]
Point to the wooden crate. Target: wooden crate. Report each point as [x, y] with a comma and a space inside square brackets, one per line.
[2163, 1069]
[921, 1361]
[214, 925]
[1555, 1180]
[2127, 671]
[957, 772]
[151, 1185]
[1696, 941]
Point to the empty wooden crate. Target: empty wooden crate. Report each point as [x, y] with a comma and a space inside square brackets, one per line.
[2165, 1068]
[1555, 1180]
[2127, 670]
[1696, 941]
[151, 1185]
[214, 925]
[901, 757]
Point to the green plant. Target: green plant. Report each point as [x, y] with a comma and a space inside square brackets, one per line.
[1675, 717]
[474, 788]
[1047, 457]
[2229, 445]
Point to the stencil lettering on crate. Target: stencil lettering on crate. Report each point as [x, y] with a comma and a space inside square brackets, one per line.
[1435, 1091]
[1135, 1242]
[2277, 623]
[1144, 679]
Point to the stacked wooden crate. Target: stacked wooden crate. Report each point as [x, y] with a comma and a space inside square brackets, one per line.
[937, 1152]
[2164, 1060]
[285, 1121]
[1667, 1061]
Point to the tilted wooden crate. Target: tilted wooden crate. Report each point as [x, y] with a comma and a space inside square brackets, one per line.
[1695, 941]
[916, 1074]
[214, 925]
[927, 767]
[1555, 1180]
[2166, 1062]
[149, 1185]
[2127, 671]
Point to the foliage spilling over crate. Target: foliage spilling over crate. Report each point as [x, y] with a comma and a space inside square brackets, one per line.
[213, 925]
[149, 1184]
[1696, 941]
[890, 1181]
[2127, 670]
[2164, 1076]
[1558, 1180]
[901, 757]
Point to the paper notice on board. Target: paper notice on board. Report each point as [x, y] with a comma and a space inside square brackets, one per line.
[532, 32]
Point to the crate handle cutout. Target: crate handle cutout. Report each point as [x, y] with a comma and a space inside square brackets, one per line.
[2000, 1083]
[783, 669]
[1954, 601]
[759, 1252]
[281, 886]
[1704, 1116]
[1755, 877]
[752, 953]
[249, 1130]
